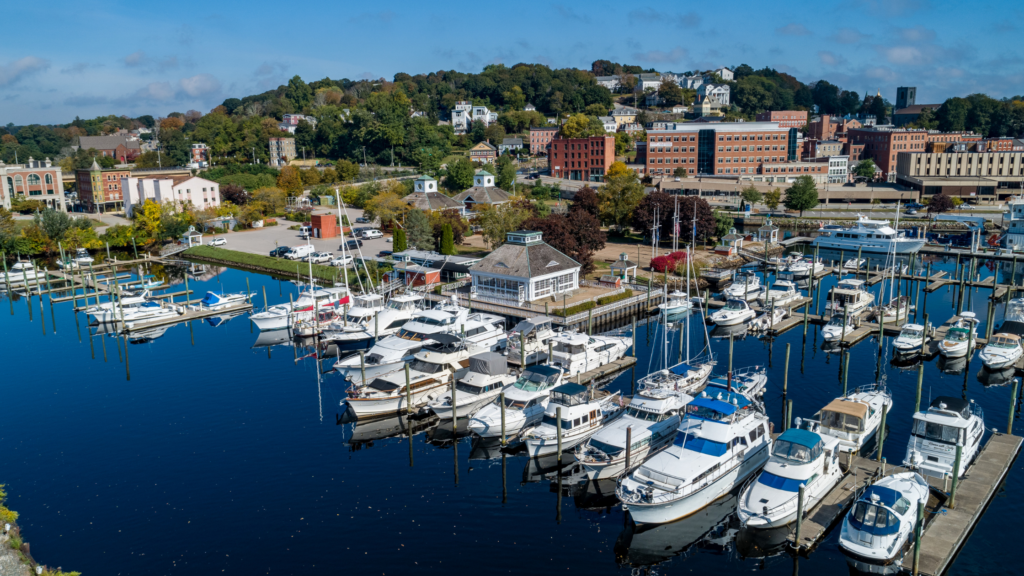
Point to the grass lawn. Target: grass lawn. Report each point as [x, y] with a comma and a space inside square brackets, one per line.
[261, 263]
[452, 158]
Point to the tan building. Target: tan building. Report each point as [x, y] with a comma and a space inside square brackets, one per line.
[785, 118]
[982, 176]
[624, 116]
[99, 189]
[483, 152]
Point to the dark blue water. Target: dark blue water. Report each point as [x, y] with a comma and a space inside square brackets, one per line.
[218, 457]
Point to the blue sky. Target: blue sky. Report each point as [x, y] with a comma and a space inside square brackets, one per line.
[115, 57]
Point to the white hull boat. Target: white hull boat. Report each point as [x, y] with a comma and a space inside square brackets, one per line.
[870, 236]
[882, 521]
[850, 296]
[578, 353]
[581, 418]
[854, 419]
[768, 319]
[936, 432]
[735, 312]
[835, 330]
[745, 286]
[1003, 351]
[525, 402]
[912, 338]
[534, 334]
[488, 376]
[961, 337]
[283, 316]
[675, 303]
[781, 293]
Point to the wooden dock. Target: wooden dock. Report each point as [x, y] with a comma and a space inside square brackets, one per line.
[192, 314]
[613, 367]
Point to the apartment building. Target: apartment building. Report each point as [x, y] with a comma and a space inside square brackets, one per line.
[883, 143]
[99, 189]
[281, 151]
[33, 180]
[180, 190]
[200, 155]
[725, 148]
[581, 158]
[540, 138]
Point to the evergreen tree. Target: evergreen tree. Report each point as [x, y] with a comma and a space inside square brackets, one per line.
[447, 241]
[400, 242]
[417, 231]
[802, 195]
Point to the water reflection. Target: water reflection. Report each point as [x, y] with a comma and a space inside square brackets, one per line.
[999, 377]
[364, 433]
[714, 528]
[952, 365]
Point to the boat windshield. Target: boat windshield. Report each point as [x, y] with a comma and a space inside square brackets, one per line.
[836, 321]
[838, 421]
[873, 516]
[399, 305]
[604, 447]
[570, 348]
[511, 404]
[795, 452]
[418, 365]
[957, 335]
[735, 305]
[934, 431]
[911, 333]
[644, 415]
[434, 321]
[534, 382]
[1000, 342]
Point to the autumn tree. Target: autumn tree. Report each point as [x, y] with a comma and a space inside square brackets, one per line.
[751, 195]
[618, 199]
[173, 123]
[498, 221]
[643, 217]
[387, 206]
[290, 180]
[772, 198]
[616, 170]
[274, 199]
[940, 203]
[587, 201]
[453, 219]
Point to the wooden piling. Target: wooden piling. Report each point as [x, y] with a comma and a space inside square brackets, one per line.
[920, 382]
[408, 391]
[501, 399]
[918, 528]
[558, 435]
[629, 448]
[956, 474]
[1013, 405]
[881, 431]
[362, 366]
[846, 372]
[799, 514]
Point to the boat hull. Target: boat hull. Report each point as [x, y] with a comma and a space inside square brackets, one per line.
[880, 247]
[464, 410]
[616, 466]
[365, 407]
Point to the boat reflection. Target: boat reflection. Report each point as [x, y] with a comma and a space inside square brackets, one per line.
[485, 448]
[148, 335]
[860, 567]
[906, 362]
[222, 319]
[364, 433]
[713, 529]
[273, 338]
[762, 543]
[952, 365]
[738, 332]
[445, 433]
[546, 467]
[1000, 377]
[598, 495]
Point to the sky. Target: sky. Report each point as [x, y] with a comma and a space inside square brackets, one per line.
[86, 58]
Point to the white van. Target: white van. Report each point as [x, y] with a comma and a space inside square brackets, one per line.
[371, 234]
[305, 232]
[299, 252]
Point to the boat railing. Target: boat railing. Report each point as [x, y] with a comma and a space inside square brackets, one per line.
[670, 492]
[868, 388]
[977, 411]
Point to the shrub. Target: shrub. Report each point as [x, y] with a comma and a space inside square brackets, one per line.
[668, 261]
[628, 293]
[576, 309]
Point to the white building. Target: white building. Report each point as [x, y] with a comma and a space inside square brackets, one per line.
[462, 115]
[524, 269]
[612, 83]
[725, 74]
[715, 92]
[180, 190]
[482, 193]
[838, 169]
[649, 80]
[1014, 238]
[691, 82]
[610, 125]
[289, 122]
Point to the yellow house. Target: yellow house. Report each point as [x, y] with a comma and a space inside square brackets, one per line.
[483, 152]
[708, 107]
[624, 116]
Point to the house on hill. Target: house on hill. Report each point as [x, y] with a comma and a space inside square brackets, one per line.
[483, 192]
[525, 269]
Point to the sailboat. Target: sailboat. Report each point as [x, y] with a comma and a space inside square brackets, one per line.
[898, 307]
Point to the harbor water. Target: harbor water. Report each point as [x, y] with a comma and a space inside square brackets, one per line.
[226, 452]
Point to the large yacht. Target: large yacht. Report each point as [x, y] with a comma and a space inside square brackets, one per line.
[745, 286]
[534, 333]
[849, 295]
[579, 353]
[936, 432]
[868, 235]
[780, 293]
[855, 418]
[582, 416]
[488, 375]
[524, 403]
[722, 441]
[369, 318]
[283, 316]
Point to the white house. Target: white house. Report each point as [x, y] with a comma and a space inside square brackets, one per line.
[838, 169]
[525, 269]
[691, 82]
[462, 117]
[289, 122]
[612, 83]
[649, 80]
[530, 108]
[610, 125]
[725, 74]
[482, 193]
[202, 193]
[510, 144]
[715, 92]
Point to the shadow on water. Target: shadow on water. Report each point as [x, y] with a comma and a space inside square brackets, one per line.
[713, 529]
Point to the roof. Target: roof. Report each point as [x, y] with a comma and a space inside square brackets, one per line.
[484, 144]
[570, 389]
[483, 195]
[106, 142]
[525, 261]
[543, 370]
[952, 404]
[841, 406]
[886, 496]
[716, 405]
[801, 437]
[431, 201]
[917, 108]
[512, 142]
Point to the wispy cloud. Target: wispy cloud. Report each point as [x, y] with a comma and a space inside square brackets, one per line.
[651, 16]
[849, 36]
[82, 101]
[830, 59]
[793, 29]
[916, 34]
[890, 7]
[76, 68]
[673, 56]
[11, 73]
[567, 13]
[141, 60]
[199, 85]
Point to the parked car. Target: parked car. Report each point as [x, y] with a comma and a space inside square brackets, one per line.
[320, 257]
[914, 205]
[299, 252]
[352, 245]
[911, 212]
[384, 253]
[341, 261]
[362, 220]
[372, 234]
[217, 242]
[280, 251]
[966, 206]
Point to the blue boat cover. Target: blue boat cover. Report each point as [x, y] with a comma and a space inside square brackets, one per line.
[801, 437]
[211, 298]
[544, 370]
[779, 482]
[701, 445]
[681, 369]
[886, 496]
[722, 393]
[712, 404]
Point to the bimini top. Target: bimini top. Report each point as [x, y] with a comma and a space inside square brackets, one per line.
[720, 401]
[801, 437]
[841, 406]
[543, 370]
[569, 389]
[530, 324]
[681, 369]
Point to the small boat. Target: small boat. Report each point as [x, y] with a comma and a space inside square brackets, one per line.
[488, 375]
[735, 312]
[111, 311]
[24, 271]
[1002, 351]
[676, 302]
[854, 419]
[936, 432]
[687, 376]
[534, 334]
[835, 329]
[80, 259]
[314, 325]
[651, 419]
[802, 268]
[854, 264]
[897, 309]
[768, 318]
[144, 284]
[749, 381]
[880, 524]
[912, 337]
[525, 401]
[148, 312]
[220, 301]
[745, 286]
[960, 337]
[283, 316]
[849, 295]
[723, 440]
[581, 418]
[800, 457]
[782, 292]
[1013, 317]
[578, 353]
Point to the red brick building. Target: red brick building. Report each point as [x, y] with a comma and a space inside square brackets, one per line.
[324, 225]
[540, 138]
[829, 128]
[119, 146]
[726, 148]
[99, 189]
[882, 145]
[581, 158]
[785, 118]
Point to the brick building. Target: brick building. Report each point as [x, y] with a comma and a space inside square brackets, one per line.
[200, 155]
[281, 151]
[120, 146]
[785, 118]
[99, 189]
[324, 225]
[540, 138]
[881, 144]
[581, 158]
[831, 128]
[34, 180]
[726, 148]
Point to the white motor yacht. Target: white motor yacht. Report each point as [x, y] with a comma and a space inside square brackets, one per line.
[881, 523]
[911, 339]
[948, 421]
[24, 271]
[525, 401]
[835, 329]
[581, 418]
[578, 353]
[799, 457]
[80, 259]
[723, 440]
[488, 375]
[675, 303]
[897, 309]
[689, 376]
[749, 381]
[850, 295]
[534, 333]
[431, 372]
[745, 286]
[147, 312]
[854, 419]
[781, 293]
[769, 318]
[369, 318]
[854, 264]
[870, 236]
[220, 300]
[961, 337]
[650, 422]
[802, 268]
[735, 312]
[111, 311]
[282, 316]
[1002, 351]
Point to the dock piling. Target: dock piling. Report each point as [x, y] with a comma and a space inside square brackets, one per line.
[728, 375]
[408, 391]
[629, 447]
[1013, 405]
[522, 349]
[988, 322]
[917, 537]
[956, 474]
[264, 296]
[920, 381]
[502, 400]
[789, 415]
[785, 373]
[881, 431]
[362, 366]
[558, 435]
[799, 515]
[455, 419]
[846, 372]
[248, 294]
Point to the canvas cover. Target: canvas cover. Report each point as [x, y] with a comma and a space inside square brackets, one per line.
[855, 409]
[490, 363]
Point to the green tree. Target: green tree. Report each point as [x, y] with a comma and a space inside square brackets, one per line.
[671, 93]
[498, 221]
[506, 176]
[460, 174]
[723, 223]
[865, 169]
[298, 92]
[401, 244]
[802, 195]
[679, 172]
[623, 143]
[417, 228]
[447, 241]
[750, 195]
[577, 126]
[494, 133]
[514, 98]
[618, 199]
[596, 110]
[772, 198]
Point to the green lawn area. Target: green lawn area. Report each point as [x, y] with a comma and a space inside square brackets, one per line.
[261, 263]
[452, 158]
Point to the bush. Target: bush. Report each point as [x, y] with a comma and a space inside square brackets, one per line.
[581, 307]
[628, 293]
[668, 261]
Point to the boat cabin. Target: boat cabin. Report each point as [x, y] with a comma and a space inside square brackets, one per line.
[537, 378]
[842, 415]
[797, 446]
[873, 512]
[404, 302]
[717, 406]
[581, 413]
[483, 368]
[1005, 341]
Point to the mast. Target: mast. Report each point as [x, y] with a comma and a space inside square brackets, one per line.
[344, 271]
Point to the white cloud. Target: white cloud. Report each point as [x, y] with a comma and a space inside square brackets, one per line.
[140, 60]
[652, 16]
[199, 85]
[849, 36]
[135, 58]
[793, 30]
[830, 59]
[916, 34]
[659, 56]
[156, 91]
[903, 54]
[19, 69]
[76, 68]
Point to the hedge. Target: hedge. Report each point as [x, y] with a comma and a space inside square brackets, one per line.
[260, 263]
[628, 293]
[581, 307]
